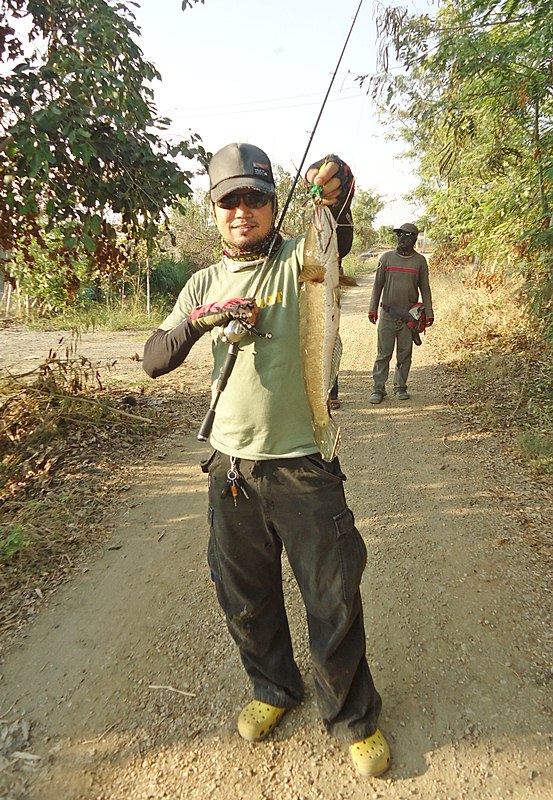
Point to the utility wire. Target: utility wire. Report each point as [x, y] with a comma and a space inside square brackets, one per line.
[230, 107]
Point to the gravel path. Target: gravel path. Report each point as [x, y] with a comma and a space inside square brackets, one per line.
[127, 686]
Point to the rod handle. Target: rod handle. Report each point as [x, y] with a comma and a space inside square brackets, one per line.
[207, 424]
[227, 368]
[224, 375]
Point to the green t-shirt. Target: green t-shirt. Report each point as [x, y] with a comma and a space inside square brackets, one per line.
[263, 412]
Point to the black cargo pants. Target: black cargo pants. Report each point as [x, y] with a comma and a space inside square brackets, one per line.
[298, 503]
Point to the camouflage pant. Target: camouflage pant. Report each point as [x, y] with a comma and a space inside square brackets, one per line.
[298, 504]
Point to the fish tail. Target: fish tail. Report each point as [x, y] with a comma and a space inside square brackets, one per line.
[327, 437]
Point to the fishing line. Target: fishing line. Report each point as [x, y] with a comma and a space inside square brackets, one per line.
[298, 173]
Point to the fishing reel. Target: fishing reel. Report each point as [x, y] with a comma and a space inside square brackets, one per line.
[235, 330]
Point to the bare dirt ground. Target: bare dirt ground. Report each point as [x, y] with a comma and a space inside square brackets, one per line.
[126, 685]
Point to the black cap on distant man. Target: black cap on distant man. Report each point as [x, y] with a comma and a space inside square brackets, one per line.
[407, 227]
[239, 166]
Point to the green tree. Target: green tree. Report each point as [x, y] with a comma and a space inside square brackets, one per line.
[386, 236]
[298, 213]
[472, 94]
[194, 239]
[365, 207]
[81, 155]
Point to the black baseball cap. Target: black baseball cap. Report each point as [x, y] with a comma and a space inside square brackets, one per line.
[407, 227]
[239, 166]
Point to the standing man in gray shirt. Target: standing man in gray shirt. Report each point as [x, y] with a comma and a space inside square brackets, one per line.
[401, 275]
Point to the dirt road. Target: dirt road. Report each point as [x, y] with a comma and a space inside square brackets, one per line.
[127, 685]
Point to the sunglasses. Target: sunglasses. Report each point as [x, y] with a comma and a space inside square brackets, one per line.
[251, 200]
[405, 235]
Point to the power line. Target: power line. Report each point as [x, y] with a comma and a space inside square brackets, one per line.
[256, 103]
[258, 109]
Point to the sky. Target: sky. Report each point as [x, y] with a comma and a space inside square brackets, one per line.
[258, 70]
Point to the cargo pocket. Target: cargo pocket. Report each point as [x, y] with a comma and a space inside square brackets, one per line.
[213, 560]
[353, 553]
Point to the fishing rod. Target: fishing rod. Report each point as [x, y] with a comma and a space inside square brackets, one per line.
[224, 375]
[235, 331]
[298, 173]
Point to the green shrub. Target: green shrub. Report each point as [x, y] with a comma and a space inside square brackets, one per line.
[168, 278]
[12, 543]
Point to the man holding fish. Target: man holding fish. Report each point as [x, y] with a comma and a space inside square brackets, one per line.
[274, 478]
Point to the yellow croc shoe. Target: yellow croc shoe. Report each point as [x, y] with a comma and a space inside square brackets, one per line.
[371, 756]
[258, 719]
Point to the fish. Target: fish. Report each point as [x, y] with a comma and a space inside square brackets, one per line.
[319, 315]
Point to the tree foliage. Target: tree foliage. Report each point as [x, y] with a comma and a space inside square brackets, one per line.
[365, 207]
[473, 97]
[298, 212]
[83, 165]
[195, 240]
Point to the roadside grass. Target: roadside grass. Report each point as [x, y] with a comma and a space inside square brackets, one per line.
[126, 316]
[353, 266]
[503, 368]
[67, 443]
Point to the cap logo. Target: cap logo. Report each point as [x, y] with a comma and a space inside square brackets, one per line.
[261, 169]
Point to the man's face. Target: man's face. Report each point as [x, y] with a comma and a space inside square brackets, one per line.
[406, 241]
[249, 219]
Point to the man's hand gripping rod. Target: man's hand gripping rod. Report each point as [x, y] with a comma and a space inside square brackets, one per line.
[233, 333]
